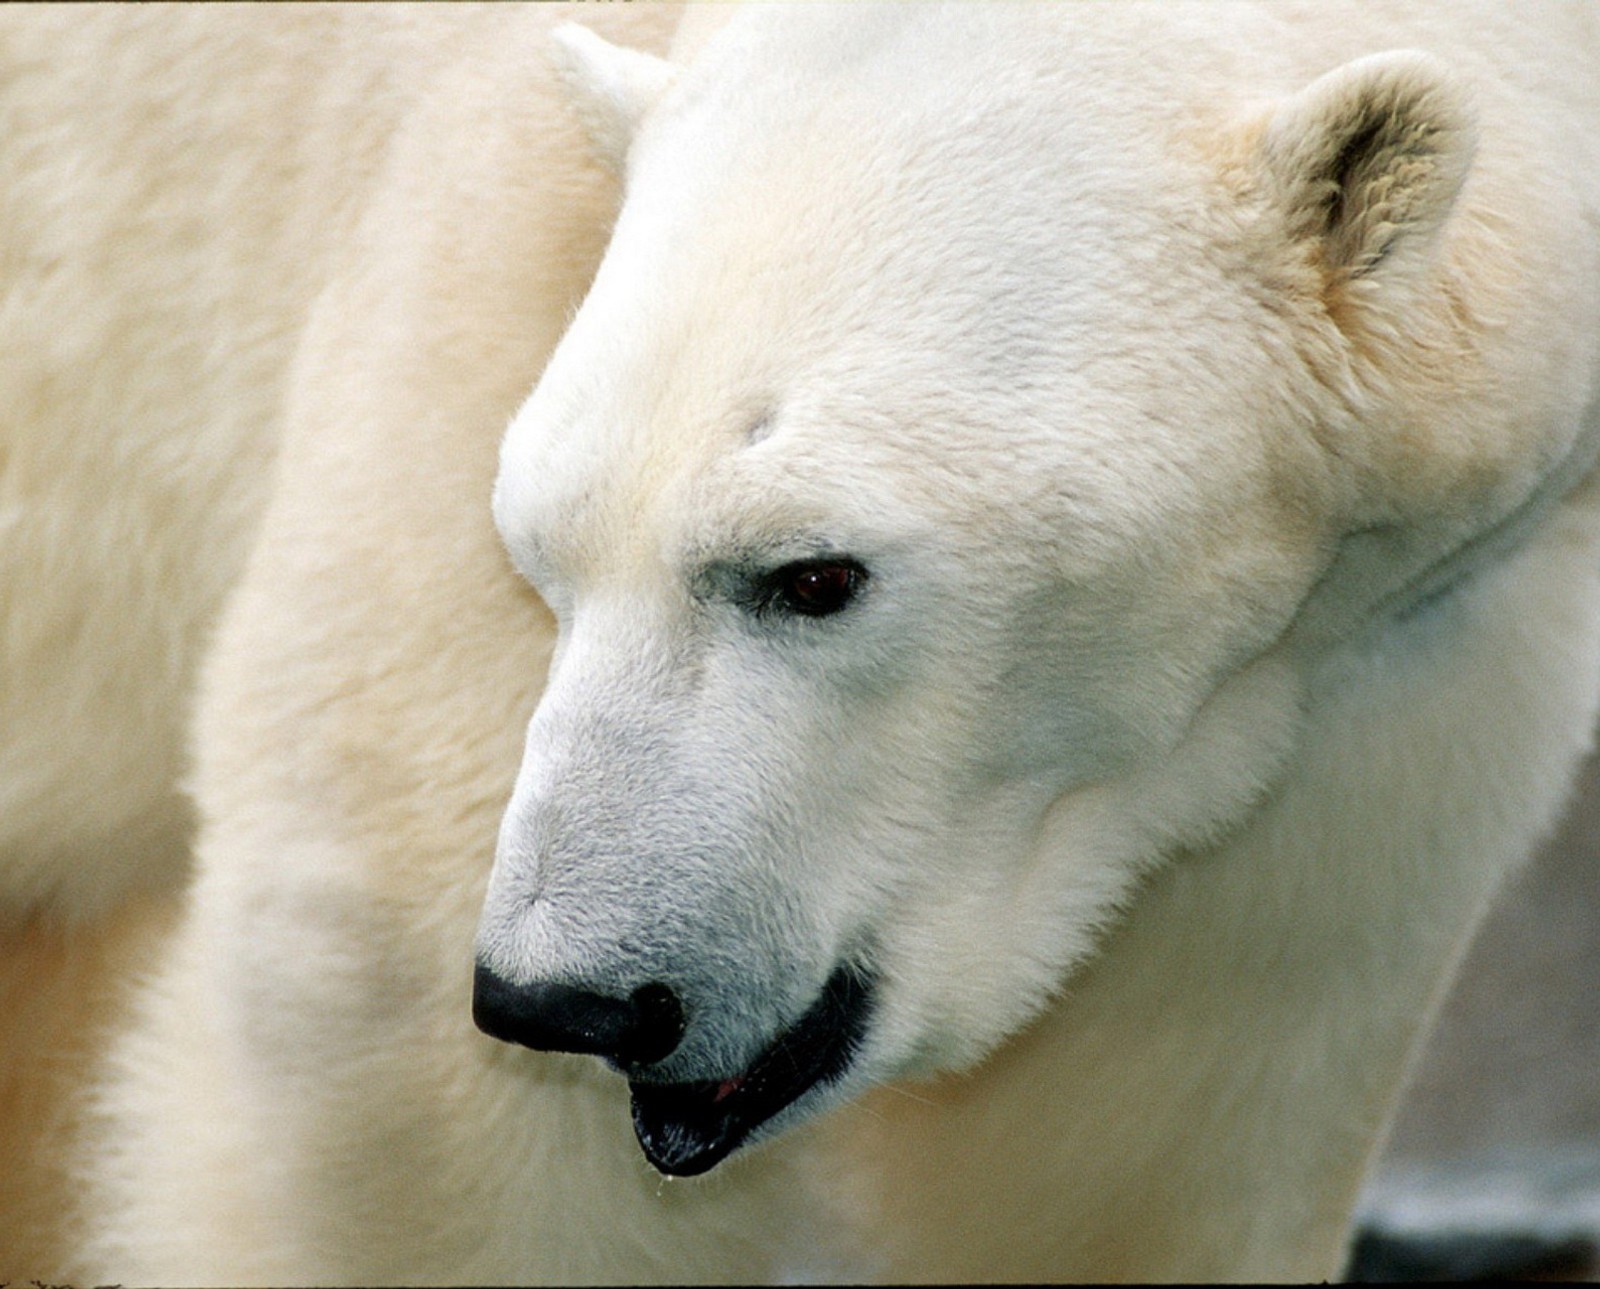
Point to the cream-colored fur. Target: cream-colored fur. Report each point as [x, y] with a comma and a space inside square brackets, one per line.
[274, 283]
[178, 186]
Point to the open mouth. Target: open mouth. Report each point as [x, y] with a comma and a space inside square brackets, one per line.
[688, 1128]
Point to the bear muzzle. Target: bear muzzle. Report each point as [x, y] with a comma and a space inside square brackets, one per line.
[690, 1127]
[684, 1127]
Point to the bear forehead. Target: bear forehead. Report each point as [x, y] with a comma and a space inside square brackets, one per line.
[604, 495]
[1052, 305]
[959, 257]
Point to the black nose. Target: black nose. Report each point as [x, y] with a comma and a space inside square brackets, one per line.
[642, 1028]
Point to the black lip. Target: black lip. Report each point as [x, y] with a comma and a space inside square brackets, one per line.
[688, 1128]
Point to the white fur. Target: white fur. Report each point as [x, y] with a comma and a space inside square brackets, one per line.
[611, 87]
[1210, 393]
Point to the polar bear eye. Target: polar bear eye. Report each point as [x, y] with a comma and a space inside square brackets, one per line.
[814, 588]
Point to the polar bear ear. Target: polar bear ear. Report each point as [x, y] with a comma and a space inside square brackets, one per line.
[610, 88]
[1366, 163]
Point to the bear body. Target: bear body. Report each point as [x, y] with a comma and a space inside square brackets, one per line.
[1037, 598]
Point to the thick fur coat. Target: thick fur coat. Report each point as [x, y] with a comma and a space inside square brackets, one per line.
[1049, 568]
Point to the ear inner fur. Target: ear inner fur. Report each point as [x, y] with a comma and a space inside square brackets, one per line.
[1367, 161]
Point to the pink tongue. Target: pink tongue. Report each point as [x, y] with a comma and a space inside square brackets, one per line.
[727, 1088]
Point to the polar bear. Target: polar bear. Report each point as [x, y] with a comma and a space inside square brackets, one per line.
[1023, 620]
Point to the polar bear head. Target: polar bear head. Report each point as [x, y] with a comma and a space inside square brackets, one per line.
[965, 438]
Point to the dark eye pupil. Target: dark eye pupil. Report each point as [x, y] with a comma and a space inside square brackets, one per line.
[818, 589]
